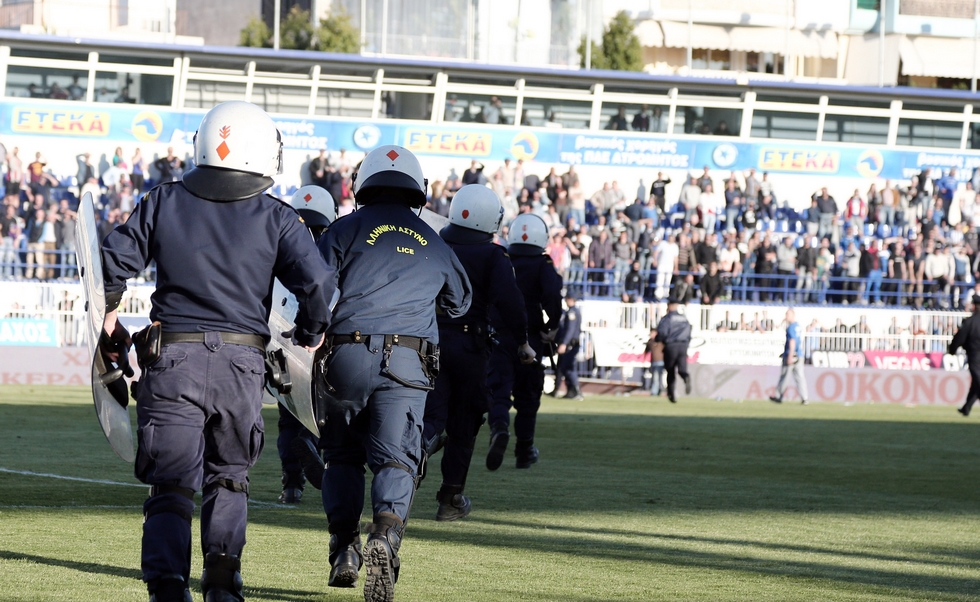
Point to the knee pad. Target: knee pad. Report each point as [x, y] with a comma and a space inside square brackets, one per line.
[175, 505]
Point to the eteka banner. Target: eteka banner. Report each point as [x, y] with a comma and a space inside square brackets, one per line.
[135, 123]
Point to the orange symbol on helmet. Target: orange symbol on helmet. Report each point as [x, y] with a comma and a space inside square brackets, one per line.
[392, 154]
[466, 213]
[225, 131]
[223, 150]
[524, 237]
[308, 197]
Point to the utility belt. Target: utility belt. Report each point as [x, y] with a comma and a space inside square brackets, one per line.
[480, 331]
[149, 343]
[428, 354]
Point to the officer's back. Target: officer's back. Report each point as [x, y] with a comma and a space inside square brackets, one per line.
[402, 265]
[674, 328]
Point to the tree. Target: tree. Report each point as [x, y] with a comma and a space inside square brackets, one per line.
[256, 34]
[296, 31]
[338, 34]
[620, 50]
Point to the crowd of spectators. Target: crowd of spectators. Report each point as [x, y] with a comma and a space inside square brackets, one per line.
[76, 91]
[37, 224]
[729, 236]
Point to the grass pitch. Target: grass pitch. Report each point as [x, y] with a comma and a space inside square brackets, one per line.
[634, 499]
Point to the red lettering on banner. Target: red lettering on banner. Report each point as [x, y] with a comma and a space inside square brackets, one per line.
[866, 388]
[821, 386]
[956, 397]
[35, 378]
[76, 379]
[755, 391]
[11, 378]
[77, 358]
[55, 379]
[849, 393]
[923, 389]
[888, 388]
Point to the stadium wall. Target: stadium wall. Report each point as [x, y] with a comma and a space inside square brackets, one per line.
[61, 131]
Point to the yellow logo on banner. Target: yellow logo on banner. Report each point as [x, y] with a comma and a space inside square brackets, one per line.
[524, 146]
[60, 122]
[147, 126]
[791, 159]
[467, 144]
[870, 163]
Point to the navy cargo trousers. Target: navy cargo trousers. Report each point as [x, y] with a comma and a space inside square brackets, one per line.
[200, 428]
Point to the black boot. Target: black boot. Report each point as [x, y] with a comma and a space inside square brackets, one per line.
[526, 453]
[309, 457]
[453, 505]
[292, 488]
[345, 557]
[381, 557]
[169, 588]
[499, 437]
[222, 578]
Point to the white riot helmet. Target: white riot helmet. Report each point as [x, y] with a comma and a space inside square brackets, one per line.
[239, 136]
[528, 229]
[391, 170]
[477, 208]
[315, 205]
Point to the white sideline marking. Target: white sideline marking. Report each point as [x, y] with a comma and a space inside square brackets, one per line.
[48, 475]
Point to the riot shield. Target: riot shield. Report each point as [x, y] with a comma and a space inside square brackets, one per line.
[298, 361]
[434, 220]
[113, 417]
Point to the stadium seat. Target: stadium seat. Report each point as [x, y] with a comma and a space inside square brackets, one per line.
[782, 226]
[869, 229]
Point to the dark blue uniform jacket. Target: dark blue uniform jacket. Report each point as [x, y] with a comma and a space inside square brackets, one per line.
[492, 278]
[391, 266]
[216, 261]
[541, 286]
[571, 327]
[673, 328]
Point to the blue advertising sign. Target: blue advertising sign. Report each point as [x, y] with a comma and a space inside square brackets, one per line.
[28, 332]
[128, 123]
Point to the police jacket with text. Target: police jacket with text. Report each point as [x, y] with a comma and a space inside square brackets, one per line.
[968, 337]
[393, 270]
[216, 261]
[673, 328]
[492, 278]
[571, 327]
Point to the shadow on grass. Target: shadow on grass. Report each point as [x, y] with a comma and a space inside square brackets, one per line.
[647, 551]
[968, 558]
[276, 594]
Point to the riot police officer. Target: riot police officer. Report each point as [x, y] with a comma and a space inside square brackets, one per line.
[297, 446]
[968, 337]
[218, 241]
[569, 332]
[674, 331]
[541, 288]
[393, 271]
[460, 399]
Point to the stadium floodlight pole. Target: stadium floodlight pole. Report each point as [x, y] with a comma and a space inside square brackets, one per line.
[363, 24]
[881, 45]
[588, 35]
[976, 11]
[275, 24]
[690, 32]
[384, 28]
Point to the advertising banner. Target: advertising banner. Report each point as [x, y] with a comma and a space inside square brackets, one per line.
[827, 384]
[32, 332]
[133, 123]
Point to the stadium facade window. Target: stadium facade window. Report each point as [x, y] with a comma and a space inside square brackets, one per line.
[293, 100]
[407, 105]
[708, 120]
[557, 113]
[808, 99]
[934, 108]
[133, 88]
[855, 128]
[128, 59]
[784, 125]
[40, 82]
[655, 117]
[345, 103]
[480, 108]
[716, 60]
[60, 55]
[203, 94]
[920, 132]
[845, 101]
